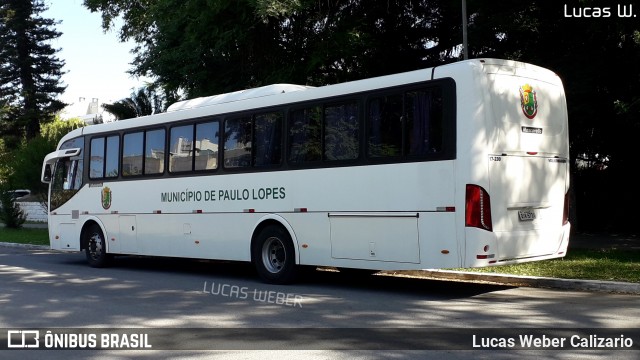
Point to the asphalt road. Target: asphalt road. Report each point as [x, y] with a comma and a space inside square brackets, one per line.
[223, 307]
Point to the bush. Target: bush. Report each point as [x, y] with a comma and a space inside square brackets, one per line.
[10, 213]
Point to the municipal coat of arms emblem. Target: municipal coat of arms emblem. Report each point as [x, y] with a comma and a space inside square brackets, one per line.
[528, 101]
[105, 197]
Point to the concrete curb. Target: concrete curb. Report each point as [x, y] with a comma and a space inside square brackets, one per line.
[25, 246]
[534, 281]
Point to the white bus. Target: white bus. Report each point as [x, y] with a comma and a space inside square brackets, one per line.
[460, 165]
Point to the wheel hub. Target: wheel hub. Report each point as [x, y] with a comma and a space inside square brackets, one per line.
[95, 246]
[274, 255]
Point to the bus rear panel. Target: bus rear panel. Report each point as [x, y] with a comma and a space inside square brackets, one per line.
[515, 168]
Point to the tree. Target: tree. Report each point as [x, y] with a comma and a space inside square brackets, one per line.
[29, 70]
[22, 165]
[197, 47]
[203, 48]
[143, 102]
[598, 63]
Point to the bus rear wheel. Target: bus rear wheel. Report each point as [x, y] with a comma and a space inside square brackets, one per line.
[274, 256]
[96, 247]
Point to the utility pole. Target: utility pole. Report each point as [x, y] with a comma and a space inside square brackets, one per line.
[465, 45]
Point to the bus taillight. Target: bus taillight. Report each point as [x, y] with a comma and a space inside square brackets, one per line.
[565, 212]
[478, 208]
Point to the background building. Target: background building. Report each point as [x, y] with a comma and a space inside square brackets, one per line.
[89, 111]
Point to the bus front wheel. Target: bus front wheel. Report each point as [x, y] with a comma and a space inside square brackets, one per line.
[274, 256]
[96, 247]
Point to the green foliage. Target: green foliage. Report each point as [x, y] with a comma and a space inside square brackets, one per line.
[29, 70]
[55, 130]
[203, 47]
[275, 8]
[4, 157]
[145, 101]
[135, 26]
[10, 213]
[26, 164]
[22, 165]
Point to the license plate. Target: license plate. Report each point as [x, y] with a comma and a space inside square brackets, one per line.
[526, 215]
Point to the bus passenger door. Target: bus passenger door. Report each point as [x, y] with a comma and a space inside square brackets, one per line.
[128, 234]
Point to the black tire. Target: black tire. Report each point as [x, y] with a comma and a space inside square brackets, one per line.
[273, 255]
[96, 247]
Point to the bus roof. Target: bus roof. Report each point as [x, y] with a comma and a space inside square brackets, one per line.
[236, 96]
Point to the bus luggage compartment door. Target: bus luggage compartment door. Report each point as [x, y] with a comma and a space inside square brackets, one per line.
[391, 237]
[128, 234]
[67, 238]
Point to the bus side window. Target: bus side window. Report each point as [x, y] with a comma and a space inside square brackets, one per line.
[384, 126]
[96, 164]
[112, 157]
[237, 142]
[206, 150]
[104, 162]
[154, 152]
[132, 154]
[341, 129]
[268, 139]
[305, 135]
[181, 149]
[424, 122]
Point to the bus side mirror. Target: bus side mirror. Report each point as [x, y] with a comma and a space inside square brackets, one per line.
[46, 174]
[50, 160]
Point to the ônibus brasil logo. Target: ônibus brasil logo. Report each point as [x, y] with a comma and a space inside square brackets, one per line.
[528, 101]
[105, 197]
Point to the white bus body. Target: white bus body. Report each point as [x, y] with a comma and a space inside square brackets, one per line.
[490, 189]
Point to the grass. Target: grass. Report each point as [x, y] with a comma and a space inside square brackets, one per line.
[25, 236]
[610, 264]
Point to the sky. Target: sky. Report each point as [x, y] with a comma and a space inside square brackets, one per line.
[96, 62]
